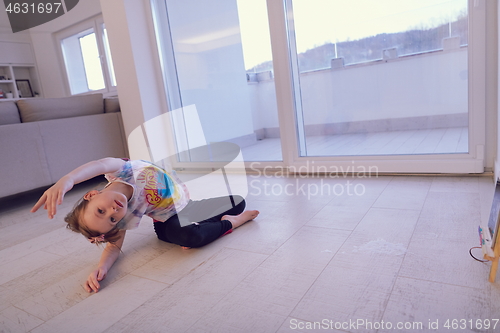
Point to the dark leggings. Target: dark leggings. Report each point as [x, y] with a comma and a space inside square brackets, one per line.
[207, 214]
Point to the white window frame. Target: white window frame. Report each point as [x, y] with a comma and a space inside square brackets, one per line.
[96, 24]
[471, 162]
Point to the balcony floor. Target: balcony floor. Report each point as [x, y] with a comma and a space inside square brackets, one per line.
[430, 141]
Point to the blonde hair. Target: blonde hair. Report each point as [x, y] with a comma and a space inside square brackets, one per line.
[75, 219]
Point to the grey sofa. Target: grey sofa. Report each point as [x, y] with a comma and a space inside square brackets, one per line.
[43, 139]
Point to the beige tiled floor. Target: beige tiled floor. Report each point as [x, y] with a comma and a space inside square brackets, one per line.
[398, 253]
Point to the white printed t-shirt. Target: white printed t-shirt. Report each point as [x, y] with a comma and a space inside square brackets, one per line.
[157, 193]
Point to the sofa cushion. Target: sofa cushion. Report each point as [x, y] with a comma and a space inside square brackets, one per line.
[36, 109]
[111, 104]
[78, 147]
[9, 113]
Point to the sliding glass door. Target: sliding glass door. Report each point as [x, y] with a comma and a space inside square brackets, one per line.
[218, 70]
[380, 77]
[393, 84]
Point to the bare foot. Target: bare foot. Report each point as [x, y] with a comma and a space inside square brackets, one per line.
[238, 220]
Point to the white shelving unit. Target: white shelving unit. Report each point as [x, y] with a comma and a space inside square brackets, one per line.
[7, 83]
[12, 72]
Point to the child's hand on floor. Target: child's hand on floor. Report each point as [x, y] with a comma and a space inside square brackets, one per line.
[92, 283]
[54, 196]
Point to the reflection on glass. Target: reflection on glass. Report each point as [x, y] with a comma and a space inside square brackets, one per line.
[209, 52]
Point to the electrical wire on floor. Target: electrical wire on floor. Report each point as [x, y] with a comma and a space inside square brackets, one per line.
[470, 252]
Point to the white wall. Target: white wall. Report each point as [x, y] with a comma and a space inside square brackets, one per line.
[136, 63]
[494, 126]
[263, 104]
[491, 131]
[423, 85]
[6, 34]
[48, 58]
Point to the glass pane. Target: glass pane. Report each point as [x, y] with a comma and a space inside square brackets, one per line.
[92, 62]
[380, 77]
[83, 65]
[212, 54]
[73, 60]
[108, 56]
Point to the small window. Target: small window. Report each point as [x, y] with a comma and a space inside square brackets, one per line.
[87, 59]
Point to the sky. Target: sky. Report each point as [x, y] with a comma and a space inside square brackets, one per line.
[320, 21]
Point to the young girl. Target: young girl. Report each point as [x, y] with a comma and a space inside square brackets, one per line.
[134, 189]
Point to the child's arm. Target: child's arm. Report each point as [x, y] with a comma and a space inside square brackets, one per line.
[54, 195]
[108, 258]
